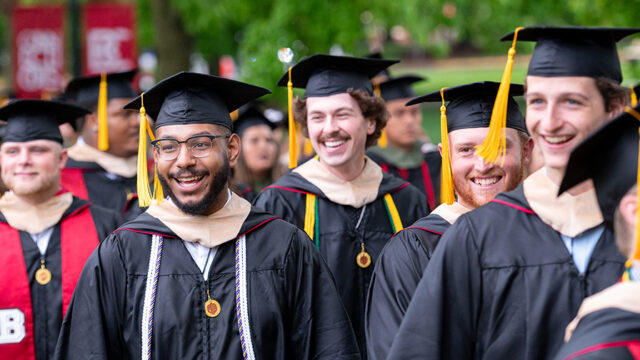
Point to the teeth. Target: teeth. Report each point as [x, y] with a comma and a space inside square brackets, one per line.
[190, 179]
[557, 139]
[486, 181]
[334, 143]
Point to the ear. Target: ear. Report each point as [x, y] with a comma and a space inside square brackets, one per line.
[440, 148]
[617, 107]
[628, 209]
[64, 156]
[91, 121]
[527, 150]
[371, 125]
[233, 149]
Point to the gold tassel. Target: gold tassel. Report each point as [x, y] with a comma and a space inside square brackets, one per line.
[447, 194]
[636, 253]
[293, 144]
[634, 97]
[382, 142]
[144, 193]
[234, 115]
[494, 145]
[103, 134]
[308, 148]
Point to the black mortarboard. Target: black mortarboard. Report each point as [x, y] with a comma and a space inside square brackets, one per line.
[250, 115]
[192, 98]
[37, 119]
[324, 75]
[399, 87]
[86, 90]
[574, 50]
[470, 105]
[609, 157]
[384, 73]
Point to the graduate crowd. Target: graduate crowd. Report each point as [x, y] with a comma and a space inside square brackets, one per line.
[164, 225]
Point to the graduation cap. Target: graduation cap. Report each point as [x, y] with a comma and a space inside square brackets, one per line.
[186, 98]
[470, 106]
[37, 119]
[251, 115]
[325, 75]
[574, 50]
[609, 157]
[559, 51]
[399, 87]
[384, 74]
[88, 90]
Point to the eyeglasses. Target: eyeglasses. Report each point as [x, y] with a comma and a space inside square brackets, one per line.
[199, 146]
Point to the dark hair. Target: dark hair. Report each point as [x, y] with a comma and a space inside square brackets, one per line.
[371, 106]
[612, 91]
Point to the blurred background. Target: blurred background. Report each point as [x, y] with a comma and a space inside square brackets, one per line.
[45, 43]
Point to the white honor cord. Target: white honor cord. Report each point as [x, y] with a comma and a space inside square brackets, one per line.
[150, 295]
[242, 306]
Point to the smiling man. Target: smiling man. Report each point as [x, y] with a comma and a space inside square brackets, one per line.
[46, 233]
[106, 176]
[507, 277]
[344, 201]
[203, 274]
[475, 182]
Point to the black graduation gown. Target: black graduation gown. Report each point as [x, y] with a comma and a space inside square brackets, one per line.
[46, 301]
[609, 333]
[118, 194]
[294, 309]
[398, 270]
[433, 162]
[339, 241]
[501, 285]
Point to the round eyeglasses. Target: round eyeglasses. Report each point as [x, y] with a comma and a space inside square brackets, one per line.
[199, 146]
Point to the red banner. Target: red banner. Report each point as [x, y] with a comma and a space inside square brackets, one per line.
[38, 50]
[110, 38]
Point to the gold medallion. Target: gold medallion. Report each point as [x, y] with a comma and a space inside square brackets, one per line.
[43, 275]
[211, 307]
[363, 259]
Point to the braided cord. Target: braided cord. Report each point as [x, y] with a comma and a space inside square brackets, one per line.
[242, 308]
[150, 295]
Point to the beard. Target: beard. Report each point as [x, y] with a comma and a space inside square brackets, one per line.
[466, 194]
[200, 207]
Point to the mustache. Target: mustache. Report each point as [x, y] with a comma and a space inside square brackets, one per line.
[188, 173]
[341, 135]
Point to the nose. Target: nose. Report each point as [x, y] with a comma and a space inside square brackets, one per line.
[24, 158]
[330, 125]
[185, 159]
[481, 165]
[552, 119]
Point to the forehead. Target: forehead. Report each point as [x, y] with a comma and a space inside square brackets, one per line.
[476, 136]
[332, 103]
[551, 86]
[185, 131]
[32, 143]
[468, 135]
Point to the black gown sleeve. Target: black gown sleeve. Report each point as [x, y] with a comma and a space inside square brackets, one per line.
[395, 278]
[320, 326]
[442, 317]
[92, 326]
[609, 333]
